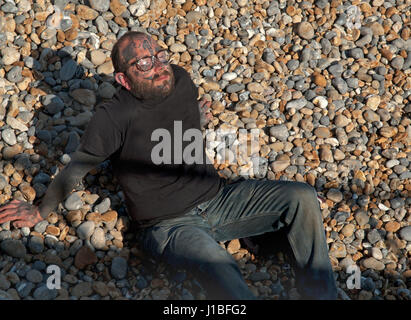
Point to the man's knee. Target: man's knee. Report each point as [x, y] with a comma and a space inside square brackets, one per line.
[301, 192]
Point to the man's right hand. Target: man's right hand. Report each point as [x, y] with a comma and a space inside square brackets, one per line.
[22, 214]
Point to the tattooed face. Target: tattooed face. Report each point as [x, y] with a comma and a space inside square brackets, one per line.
[154, 84]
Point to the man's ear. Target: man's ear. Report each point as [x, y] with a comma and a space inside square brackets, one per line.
[122, 79]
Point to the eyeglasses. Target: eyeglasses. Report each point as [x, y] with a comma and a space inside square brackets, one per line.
[147, 63]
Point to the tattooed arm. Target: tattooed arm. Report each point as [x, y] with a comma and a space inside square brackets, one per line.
[24, 214]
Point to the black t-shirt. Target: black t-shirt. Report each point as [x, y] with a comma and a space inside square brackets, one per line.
[122, 131]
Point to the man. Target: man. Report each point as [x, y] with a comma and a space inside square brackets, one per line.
[185, 209]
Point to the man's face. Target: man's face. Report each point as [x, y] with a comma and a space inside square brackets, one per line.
[154, 84]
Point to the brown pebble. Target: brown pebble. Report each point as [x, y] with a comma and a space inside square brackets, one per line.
[84, 257]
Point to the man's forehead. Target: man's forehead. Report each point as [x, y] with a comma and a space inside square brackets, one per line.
[140, 43]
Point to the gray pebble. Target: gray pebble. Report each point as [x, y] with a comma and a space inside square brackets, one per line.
[340, 85]
[397, 63]
[373, 236]
[41, 226]
[100, 5]
[14, 74]
[36, 244]
[119, 268]
[259, 276]
[85, 230]
[103, 206]
[53, 104]
[68, 70]
[14, 248]
[24, 288]
[73, 202]
[279, 132]
[405, 233]
[9, 136]
[296, 104]
[34, 276]
[44, 293]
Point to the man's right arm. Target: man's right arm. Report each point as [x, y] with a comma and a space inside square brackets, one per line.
[80, 164]
[23, 214]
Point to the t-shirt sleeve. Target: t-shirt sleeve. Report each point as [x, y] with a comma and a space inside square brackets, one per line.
[102, 136]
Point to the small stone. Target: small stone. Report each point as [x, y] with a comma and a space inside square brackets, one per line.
[13, 248]
[10, 55]
[279, 132]
[85, 230]
[320, 80]
[9, 136]
[373, 236]
[342, 121]
[279, 165]
[296, 104]
[373, 102]
[36, 245]
[34, 276]
[178, 47]
[106, 68]
[233, 246]
[371, 116]
[376, 253]
[86, 13]
[103, 206]
[392, 226]
[397, 63]
[44, 293]
[41, 226]
[119, 268]
[259, 276]
[68, 70]
[322, 132]
[100, 5]
[82, 289]
[305, 30]
[405, 233]
[338, 250]
[14, 75]
[116, 7]
[97, 57]
[98, 239]
[372, 263]
[53, 103]
[100, 288]
[348, 230]
[335, 195]
[73, 202]
[84, 257]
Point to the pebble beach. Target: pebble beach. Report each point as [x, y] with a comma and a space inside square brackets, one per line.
[327, 84]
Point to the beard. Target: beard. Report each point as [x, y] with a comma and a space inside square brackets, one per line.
[148, 91]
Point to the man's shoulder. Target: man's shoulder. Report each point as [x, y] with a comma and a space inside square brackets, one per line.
[118, 109]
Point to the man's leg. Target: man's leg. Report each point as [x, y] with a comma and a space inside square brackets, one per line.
[254, 207]
[185, 242]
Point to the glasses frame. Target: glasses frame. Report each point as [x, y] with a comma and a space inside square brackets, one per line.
[153, 58]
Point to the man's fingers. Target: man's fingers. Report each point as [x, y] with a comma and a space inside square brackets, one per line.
[22, 224]
[8, 212]
[7, 217]
[10, 205]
